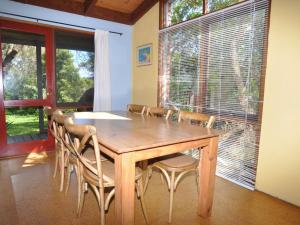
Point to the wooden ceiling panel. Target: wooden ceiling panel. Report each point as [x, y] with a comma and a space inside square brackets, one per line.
[125, 6]
[121, 11]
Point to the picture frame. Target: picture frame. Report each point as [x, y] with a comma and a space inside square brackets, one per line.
[144, 55]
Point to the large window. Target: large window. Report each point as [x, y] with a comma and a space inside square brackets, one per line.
[74, 69]
[215, 64]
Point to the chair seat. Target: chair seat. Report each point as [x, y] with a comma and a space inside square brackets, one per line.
[177, 162]
[108, 170]
[90, 155]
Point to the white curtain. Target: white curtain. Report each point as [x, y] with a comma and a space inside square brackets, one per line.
[102, 92]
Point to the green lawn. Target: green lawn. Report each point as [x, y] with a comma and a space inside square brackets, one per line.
[18, 124]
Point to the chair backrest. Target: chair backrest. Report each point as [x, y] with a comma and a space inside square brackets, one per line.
[78, 139]
[136, 108]
[48, 111]
[56, 125]
[201, 118]
[159, 112]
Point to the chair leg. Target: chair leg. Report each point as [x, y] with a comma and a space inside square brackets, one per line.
[172, 183]
[142, 200]
[62, 171]
[102, 207]
[100, 199]
[108, 198]
[148, 176]
[81, 200]
[197, 179]
[69, 171]
[102, 212]
[179, 176]
[79, 186]
[162, 178]
[165, 176]
[56, 164]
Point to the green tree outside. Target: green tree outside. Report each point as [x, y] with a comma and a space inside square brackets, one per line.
[20, 82]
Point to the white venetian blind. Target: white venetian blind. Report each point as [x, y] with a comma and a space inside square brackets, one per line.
[215, 64]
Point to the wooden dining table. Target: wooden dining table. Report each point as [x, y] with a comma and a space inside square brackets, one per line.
[128, 138]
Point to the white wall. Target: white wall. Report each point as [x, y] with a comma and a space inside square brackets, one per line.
[120, 46]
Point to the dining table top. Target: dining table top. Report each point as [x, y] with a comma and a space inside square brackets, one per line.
[123, 132]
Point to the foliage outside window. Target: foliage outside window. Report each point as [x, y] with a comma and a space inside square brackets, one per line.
[176, 11]
[23, 56]
[74, 69]
[214, 5]
[181, 10]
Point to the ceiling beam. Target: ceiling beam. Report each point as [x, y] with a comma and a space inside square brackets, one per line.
[111, 15]
[79, 8]
[142, 9]
[88, 5]
[70, 6]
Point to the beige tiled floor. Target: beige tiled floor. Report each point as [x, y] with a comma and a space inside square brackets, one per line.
[29, 195]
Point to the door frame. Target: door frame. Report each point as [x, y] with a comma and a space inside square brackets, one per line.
[23, 148]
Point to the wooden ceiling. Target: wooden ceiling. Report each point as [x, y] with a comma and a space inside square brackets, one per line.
[121, 11]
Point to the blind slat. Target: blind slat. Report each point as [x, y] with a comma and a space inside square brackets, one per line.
[214, 64]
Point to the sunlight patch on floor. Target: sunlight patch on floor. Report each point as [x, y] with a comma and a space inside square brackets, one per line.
[35, 158]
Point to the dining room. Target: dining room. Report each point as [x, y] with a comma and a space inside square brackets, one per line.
[149, 112]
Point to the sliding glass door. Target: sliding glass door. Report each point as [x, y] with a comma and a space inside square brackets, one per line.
[26, 86]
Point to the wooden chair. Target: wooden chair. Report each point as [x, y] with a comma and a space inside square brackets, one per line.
[72, 164]
[49, 112]
[154, 112]
[98, 174]
[180, 164]
[64, 159]
[159, 112]
[140, 109]
[57, 129]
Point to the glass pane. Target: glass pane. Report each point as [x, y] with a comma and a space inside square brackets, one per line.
[75, 78]
[181, 58]
[26, 124]
[235, 59]
[181, 10]
[24, 72]
[74, 68]
[214, 5]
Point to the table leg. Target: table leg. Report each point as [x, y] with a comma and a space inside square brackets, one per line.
[207, 170]
[125, 189]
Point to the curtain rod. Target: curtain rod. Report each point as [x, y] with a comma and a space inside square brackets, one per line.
[60, 23]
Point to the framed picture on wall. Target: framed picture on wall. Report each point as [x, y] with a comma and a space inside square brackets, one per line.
[144, 55]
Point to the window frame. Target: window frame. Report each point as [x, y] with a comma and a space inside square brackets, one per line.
[163, 13]
[50, 28]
